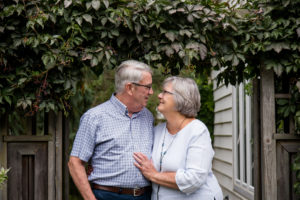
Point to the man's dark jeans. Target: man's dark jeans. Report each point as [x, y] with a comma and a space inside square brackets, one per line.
[105, 195]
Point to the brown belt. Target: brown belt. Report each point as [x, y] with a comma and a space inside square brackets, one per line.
[130, 191]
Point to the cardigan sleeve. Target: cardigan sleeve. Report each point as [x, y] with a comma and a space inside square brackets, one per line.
[198, 162]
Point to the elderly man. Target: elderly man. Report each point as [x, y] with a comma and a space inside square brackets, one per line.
[110, 133]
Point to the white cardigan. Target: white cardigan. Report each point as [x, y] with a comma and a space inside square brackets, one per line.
[190, 156]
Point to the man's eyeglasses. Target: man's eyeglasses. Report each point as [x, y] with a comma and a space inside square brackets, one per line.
[166, 92]
[145, 86]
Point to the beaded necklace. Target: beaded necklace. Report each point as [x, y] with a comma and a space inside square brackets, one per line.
[162, 152]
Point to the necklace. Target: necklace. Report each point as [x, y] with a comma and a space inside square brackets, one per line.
[163, 153]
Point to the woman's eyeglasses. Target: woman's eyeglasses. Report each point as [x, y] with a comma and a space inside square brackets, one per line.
[166, 92]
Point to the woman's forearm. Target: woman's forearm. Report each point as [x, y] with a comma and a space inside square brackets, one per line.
[166, 179]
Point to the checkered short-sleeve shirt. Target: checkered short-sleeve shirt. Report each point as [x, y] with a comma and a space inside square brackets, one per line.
[108, 137]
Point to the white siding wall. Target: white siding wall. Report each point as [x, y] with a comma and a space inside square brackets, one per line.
[223, 139]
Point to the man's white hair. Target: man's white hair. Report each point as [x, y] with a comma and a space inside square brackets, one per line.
[129, 71]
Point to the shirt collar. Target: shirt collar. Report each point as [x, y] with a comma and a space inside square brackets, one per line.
[122, 107]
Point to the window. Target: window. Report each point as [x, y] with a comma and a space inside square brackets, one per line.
[243, 142]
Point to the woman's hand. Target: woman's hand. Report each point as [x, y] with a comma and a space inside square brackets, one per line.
[89, 169]
[145, 165]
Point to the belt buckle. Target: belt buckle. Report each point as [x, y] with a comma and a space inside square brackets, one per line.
[135, 192]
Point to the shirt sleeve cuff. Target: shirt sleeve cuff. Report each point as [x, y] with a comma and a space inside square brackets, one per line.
[184, 183]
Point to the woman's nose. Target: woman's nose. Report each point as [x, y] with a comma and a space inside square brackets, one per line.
[159, 95]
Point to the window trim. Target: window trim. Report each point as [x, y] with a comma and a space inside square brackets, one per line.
[242, 124]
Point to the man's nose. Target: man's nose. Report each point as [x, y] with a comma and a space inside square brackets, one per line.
[151, 91]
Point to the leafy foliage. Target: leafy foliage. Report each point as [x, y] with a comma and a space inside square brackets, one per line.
[47, 46]
[296, 168]
[3, 175]
[267, 35]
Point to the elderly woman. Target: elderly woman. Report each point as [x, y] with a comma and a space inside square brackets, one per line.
[182, 151]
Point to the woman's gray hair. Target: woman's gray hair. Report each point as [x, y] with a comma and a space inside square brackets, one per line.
[129, 71]
[186, 95]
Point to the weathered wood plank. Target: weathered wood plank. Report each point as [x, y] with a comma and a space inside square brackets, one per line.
[51, 157]
[269, 186]
[66, 130]
[283, 172]
[27, 178]
[280, 136]
[282, 96]
[257, 139]
[58, 156]
[27, 138]
[3, 152]
[286, 152]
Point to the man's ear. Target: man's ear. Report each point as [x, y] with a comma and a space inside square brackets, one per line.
[129, 88]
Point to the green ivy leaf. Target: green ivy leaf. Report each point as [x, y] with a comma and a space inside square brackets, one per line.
[282, 102]
[21, 81]
[213, 62]
[286, 112]
[298, 32]
[103, 21]
[137, 28]
[107, 55]
[115, 32]
[88, 18]
[94, 61]
[96, 4]
[67, 3]
[78, 20]
[235, 61]
[106, 3]
[67, 84]
[203, 51]
[88, 5]
[7, 99]
[278, 69]
[170, 35]
[228, 57]
[185, 32]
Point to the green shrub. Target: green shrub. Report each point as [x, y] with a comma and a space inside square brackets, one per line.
[3, 175]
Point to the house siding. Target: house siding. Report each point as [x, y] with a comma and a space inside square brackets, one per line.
[223, 139]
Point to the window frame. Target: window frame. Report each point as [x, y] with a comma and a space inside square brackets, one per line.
[243, 180]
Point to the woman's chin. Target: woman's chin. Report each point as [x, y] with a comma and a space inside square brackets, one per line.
[159, 107]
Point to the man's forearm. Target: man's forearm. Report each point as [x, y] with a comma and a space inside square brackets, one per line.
[78, 173]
